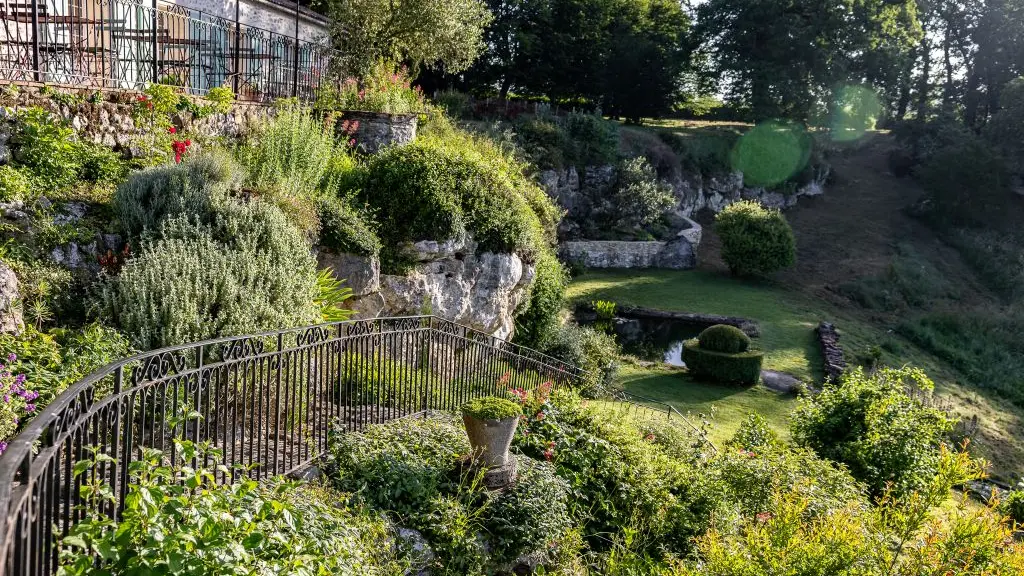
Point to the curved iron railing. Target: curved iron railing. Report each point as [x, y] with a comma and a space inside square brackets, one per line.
[265, 401]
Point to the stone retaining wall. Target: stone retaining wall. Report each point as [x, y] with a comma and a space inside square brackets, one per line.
[110, 122]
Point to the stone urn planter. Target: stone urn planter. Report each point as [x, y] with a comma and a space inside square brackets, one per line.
[373, 131]
[491, 424]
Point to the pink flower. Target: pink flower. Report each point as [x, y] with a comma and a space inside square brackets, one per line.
[172, 130]
[649, 437]
[539, 416]
[549, 454]
[764, 516]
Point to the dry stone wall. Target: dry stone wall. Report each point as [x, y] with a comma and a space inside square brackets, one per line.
[110, 121]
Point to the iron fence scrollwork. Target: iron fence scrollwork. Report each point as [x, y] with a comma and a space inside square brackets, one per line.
[266, 402]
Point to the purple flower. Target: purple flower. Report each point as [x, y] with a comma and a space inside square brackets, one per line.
[12, 357]
[32, 395]
[19, 379]
[30, 407]
[7, 398]
[3, 446]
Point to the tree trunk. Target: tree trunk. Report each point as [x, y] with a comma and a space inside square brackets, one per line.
[947, 59]
[924, 82]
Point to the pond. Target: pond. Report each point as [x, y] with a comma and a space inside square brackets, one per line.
[651, 339]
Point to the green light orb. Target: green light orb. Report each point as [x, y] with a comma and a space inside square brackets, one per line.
[771, 153]
[855, 111]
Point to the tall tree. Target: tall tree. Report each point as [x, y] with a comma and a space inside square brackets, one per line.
[784, 57]
[445, 34]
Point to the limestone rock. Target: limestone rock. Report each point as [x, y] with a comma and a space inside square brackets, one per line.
[360, 273]
[429, 250]
[677, 255]
[692, 232]
[481, 291]
[368, 306]
[11, 321]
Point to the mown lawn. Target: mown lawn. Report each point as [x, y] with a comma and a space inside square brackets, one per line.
[787, 320]
[787, 325]
[725, 406]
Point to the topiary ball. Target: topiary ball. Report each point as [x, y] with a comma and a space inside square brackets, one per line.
[724, 338]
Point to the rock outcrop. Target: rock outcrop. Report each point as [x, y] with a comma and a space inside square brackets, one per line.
[449, 279]
[11, 321]
[579, 196]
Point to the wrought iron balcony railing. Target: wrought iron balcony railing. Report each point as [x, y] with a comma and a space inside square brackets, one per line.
[128, 44]
[265, 401]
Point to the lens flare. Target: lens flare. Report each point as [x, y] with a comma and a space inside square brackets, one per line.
[771, 153]
[855, 111]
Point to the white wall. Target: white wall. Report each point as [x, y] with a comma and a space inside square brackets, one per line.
[264, 14]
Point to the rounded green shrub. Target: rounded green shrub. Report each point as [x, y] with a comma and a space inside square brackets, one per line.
[14, 184]
[737, 368]
[724, 338]
[755, 240]
[344, 229]
[491, 408]
[247, 271]
[594, 351]
[887, 438]
[441, 190]
[148, 197]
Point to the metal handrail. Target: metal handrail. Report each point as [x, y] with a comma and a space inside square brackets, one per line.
[644, 402]
[129, 44]
[266, 401]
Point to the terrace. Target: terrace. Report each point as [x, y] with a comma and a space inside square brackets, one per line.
[126, 44]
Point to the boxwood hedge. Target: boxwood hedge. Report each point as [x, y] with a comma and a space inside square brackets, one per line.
[737, 368]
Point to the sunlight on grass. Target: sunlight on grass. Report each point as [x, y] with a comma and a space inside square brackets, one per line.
[787, 320]
[787, 332]
[730, 404]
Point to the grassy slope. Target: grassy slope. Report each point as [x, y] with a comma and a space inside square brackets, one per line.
[850, 233]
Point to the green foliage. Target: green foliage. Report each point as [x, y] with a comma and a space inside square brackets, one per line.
[623, 485]
[755, 240]
[221, 98]
[291, 154]
[594, 351]
[101, 164]
[731, 368]
[440, 190]
[724, 338]
[596, 139]
[384, 89]
[53, 360]
[639, 197]
[605, 310]
[968, 184]
[625, 56]
[47, 146]
[888, 439]
[537, 316]
[331, 296]
[577, 139]
[755, 434]
[491, 408]
[534, 510]
[247, 271]
[152, 195]
[1013, 506]
[343, 229]
[15, 184]
[441, 34]
[1006, 130]
[785, 60]
[177, 520]
[981, 345]
[454, 103]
